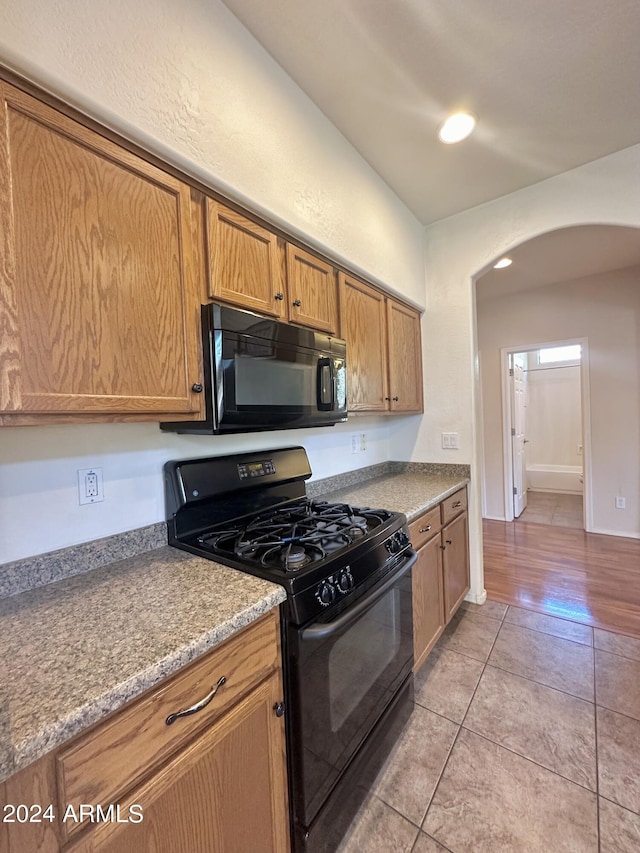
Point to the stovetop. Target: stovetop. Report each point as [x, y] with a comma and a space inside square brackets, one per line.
[292, 539]
[250, 511]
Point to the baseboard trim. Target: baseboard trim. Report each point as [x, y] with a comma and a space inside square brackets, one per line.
[494, 517]
[618, 533]
[476, 599]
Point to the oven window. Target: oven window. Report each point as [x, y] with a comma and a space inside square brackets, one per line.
[359, 658]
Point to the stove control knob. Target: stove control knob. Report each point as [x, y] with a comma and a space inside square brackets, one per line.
[344, 581]
[392, 545]
[326, 593]
[403, 539]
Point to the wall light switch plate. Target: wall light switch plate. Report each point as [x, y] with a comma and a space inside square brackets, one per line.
[621, 503]
[450, 441]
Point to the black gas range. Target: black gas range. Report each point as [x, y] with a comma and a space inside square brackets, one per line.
[346, 624]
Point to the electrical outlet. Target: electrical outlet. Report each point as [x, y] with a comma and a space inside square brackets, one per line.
[621, 503]
[90, 489]
[363, 442]
[355, 443]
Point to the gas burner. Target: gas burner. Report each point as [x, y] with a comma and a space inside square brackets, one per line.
[294, 557]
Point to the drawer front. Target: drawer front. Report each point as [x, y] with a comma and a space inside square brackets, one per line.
[454, 505]
[424, 527]
[107, 761]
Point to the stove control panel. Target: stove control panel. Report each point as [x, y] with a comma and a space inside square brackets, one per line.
[249, 470]
[397, 542]
[341, 582]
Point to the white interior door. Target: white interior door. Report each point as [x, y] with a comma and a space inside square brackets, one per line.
[519, 418]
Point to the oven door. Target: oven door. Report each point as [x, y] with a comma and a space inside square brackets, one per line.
[343, 674]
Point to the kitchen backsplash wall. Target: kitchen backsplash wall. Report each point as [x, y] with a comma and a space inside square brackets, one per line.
[39, 508]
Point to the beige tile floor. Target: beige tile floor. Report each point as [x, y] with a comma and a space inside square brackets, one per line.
[553, 508]
[525, 737]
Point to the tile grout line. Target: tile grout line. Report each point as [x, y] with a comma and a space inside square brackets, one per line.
[542, 766]
[460, 725]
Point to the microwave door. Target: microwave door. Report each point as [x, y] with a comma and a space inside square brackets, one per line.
[325, 385]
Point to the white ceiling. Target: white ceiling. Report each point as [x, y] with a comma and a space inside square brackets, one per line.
[563, 255]
[555, 83]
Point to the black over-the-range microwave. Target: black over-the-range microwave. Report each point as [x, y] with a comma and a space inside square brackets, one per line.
[263, 374]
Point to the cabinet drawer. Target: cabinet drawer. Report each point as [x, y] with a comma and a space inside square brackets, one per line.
[454, 505]
[424, 527]
[107, 761]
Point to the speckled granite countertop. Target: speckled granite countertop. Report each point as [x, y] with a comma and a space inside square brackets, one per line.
[73, 651]
[411, 492]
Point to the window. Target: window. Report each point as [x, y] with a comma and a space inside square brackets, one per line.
[560, 355]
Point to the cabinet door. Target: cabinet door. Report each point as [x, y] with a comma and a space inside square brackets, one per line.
[313, 291]
[405, 358]
[246, 262]
[363, 325]
[428, 607]
[455, 563]
[225, 793]
[99, 301]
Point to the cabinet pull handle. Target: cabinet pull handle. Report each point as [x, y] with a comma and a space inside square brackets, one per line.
[456, 505]
[199, 705]
[448, 541]
[279, 295]
[197, 387]
[297, 303]
[395, 399]
[425, 529]
[387, 398]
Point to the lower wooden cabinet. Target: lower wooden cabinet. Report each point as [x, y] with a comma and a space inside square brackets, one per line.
[441, 573]
[211, 782]
[224, 793]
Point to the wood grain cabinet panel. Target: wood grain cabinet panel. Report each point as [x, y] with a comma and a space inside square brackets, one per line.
[455, 563]
[441, 573]
[98, 297]
[363, 325]
[225, 793]
[313, 291]
[428, 606]
[245, 262]
[405, 358]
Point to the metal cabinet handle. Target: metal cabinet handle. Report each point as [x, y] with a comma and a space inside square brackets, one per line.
[456, 504]
[425, 529]
[197, 387]
[448, 541]
[395, 399]
[199, 705]
[297, 303]
[279, 295]
[387, 398]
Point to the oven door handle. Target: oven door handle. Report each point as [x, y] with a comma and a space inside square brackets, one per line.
[326, 629]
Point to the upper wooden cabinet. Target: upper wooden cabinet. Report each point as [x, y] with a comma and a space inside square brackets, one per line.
[405, 358]
[363, 323]
[99, 303]
[313, 291]
[245, 262]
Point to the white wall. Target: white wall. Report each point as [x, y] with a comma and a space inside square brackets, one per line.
[189, 83]
[606, 310]
[457, 251]
[553, 417]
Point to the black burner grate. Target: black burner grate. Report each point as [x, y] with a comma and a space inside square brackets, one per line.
[294, 536]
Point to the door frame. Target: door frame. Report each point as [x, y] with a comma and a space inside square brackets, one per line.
[585, 403]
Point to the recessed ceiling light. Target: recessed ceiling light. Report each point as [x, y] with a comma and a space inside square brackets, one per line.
[502, 263]
[457, 127]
